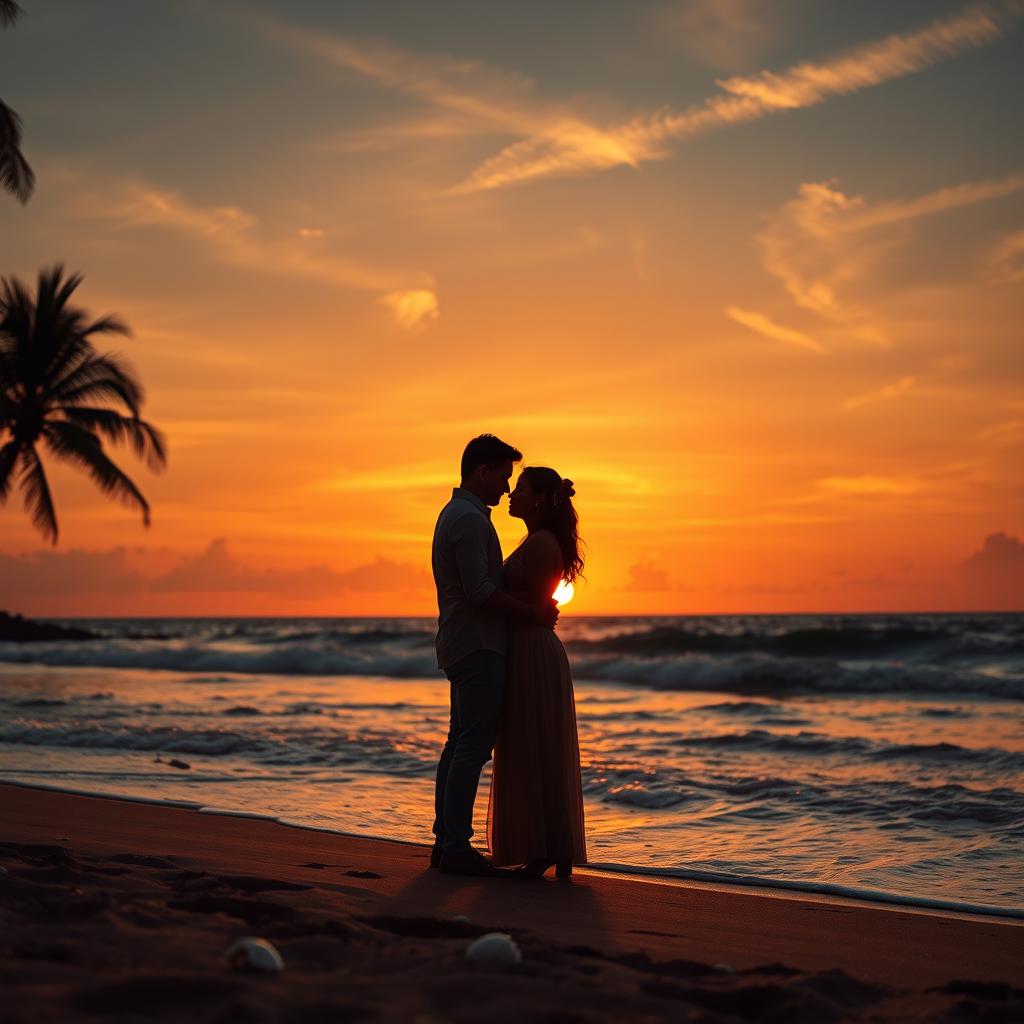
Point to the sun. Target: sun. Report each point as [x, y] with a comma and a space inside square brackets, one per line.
[563, 593]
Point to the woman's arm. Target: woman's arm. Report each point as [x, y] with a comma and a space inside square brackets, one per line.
[542, 565]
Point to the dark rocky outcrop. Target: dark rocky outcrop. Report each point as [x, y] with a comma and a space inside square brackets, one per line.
[21, 630]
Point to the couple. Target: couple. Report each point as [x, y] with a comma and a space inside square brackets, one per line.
[511, 691]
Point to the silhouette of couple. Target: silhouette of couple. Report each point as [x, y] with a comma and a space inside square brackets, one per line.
[511, 689]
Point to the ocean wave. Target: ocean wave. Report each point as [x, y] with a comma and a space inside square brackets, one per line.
[285, 659]
[943, 656]
[710, 798]
[300, 746]
[862, 750]
[764, 675]
[841, 639]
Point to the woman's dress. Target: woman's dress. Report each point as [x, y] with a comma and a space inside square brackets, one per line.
[536, 802]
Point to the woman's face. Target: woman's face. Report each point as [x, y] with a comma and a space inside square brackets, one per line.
[523, 500]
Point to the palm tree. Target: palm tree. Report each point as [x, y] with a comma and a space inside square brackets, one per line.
[54, 390]
[15, 174]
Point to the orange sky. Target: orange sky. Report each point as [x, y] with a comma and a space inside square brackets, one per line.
[755, 285]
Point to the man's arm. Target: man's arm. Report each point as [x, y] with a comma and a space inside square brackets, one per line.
[470, 535]
[505, 604]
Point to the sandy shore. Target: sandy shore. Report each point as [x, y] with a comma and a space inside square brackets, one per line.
[118, 908]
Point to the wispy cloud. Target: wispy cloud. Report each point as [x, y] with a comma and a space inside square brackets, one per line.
[1006, 260]
[822, 244]
[770, 329]
[870, 485]
[725, 34]
[395, 478]
[744, 99]
[808, 83]
[900, 387]
[412, 308]
[555, 138]
[234, 236]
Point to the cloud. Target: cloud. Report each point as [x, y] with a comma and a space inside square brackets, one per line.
[725, 34]
[900, 387]
[824, 244]
[868, 484]
[648, 576]
[423, 476]
[574, 149]
[554, 139]
[995, 575]
[413, 308]
[1006, 260]
[67, 573]
[1007, 432]
[216, 569]
[233, 236]
[763, 325]
[807, 84]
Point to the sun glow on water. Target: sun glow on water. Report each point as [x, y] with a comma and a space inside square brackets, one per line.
[563, 593]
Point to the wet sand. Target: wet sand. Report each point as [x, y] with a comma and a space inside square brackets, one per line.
[119, 908]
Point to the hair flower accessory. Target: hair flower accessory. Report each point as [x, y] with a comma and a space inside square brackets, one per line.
[564, 493]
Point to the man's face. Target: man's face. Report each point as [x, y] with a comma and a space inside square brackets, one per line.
[495, 482]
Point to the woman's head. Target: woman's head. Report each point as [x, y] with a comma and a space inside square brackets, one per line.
[544, 500]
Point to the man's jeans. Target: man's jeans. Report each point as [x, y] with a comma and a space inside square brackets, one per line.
[477, 694]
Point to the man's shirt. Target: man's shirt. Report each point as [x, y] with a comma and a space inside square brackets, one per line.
[466, 559]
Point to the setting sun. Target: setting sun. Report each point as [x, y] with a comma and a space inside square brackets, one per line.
[563, 593]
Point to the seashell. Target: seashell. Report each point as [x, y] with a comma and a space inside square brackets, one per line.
[462, 919]
[494, 948]
[253, 954]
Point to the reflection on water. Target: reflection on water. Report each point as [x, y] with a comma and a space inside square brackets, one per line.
[918, 795]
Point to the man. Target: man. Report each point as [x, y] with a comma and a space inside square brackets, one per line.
[472, 609]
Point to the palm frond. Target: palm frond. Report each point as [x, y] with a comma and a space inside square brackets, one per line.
[62, 290]
[16, 313]
[16, 176]
[8, 380]
[9, 12]
[56, 387]
[71, 442]
[108, 324]
[99, 377]
[36, 491]
[146, 441]
[8, 457]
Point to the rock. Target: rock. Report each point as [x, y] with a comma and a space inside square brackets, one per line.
[495, 948]
[20, 630]
[462, 919]
[254, 954]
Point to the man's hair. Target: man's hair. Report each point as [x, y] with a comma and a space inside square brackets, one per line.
[487, 450]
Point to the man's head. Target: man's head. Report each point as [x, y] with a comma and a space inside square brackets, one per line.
[487, 467]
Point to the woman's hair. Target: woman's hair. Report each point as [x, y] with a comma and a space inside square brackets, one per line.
[558, 515]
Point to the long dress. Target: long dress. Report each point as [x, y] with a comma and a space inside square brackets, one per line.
[536, 801]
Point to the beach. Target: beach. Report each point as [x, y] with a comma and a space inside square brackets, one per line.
[117, 907]
[878, 756]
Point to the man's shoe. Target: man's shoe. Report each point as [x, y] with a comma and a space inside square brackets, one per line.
[435, 855]
[470, 862]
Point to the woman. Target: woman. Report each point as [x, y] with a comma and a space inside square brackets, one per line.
[535, 818]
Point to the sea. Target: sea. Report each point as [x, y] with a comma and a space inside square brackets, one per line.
[874, 756]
